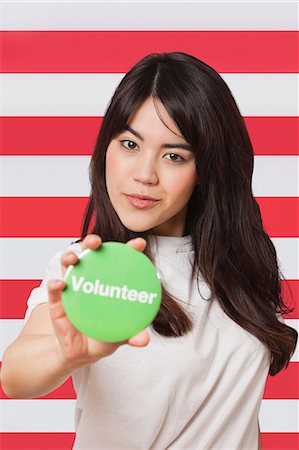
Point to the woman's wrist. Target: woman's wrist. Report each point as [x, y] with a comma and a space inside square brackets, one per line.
[67, 365]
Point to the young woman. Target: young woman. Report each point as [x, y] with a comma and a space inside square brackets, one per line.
[170, 175]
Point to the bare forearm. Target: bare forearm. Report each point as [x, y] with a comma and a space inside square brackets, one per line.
[32, 366]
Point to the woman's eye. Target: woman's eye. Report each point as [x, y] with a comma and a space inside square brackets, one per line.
[128, 144]
[131, 145]
[175, 158]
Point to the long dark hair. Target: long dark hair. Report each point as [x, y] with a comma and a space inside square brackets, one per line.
[233, 253]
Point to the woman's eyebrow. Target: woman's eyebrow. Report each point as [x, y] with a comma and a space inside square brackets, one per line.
[183, 146]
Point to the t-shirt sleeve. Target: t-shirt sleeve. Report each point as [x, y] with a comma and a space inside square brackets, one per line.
[39, 294]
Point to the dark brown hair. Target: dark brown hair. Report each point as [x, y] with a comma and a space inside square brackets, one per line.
[233, 253]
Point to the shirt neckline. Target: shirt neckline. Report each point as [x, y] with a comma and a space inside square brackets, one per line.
[176, 244]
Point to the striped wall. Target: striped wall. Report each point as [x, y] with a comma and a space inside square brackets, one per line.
[60, 64]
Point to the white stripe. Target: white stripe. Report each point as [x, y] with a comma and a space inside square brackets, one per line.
[33, 416]
[287, 253]
[70, 176]
[273, 176]
[38, 251]
[28, 258]
[11, 328]
[279, 416]
[57, 416]
[89, 94]
[152, 15]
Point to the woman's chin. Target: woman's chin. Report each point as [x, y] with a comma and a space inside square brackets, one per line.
[138, 227]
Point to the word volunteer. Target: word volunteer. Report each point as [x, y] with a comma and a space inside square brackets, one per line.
[97, 288]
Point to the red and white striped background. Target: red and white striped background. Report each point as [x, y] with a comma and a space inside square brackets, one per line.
[60, 64]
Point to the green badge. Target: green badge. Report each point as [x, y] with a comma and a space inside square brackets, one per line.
[112, 293]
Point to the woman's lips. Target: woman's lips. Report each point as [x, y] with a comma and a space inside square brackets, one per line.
[140, 203]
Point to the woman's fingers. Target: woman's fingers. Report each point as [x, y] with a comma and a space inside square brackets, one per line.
[68, 259]
[54, 293]
[137, 243]
[140, 340]
[91, 241]
[94, 241]
[60, 320]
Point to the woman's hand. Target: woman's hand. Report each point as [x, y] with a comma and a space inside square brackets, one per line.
[75, 348]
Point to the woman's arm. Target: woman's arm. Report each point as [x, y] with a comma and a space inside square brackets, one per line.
[50, 348]
[33, 365]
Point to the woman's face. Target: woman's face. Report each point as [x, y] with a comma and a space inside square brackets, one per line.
[146, 160]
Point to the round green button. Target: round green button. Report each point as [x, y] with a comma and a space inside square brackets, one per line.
[112, 293]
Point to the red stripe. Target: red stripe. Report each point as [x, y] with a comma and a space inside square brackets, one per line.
[77, 135]
[280, 441]
[290, 295]
[14, 294]
[64, 441]
[42, 216]
[117, 51]
[284, 385]
[280, 215]
[61, 216]
[274, 135]
[37, 441]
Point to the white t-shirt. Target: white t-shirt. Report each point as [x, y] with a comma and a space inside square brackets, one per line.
[201, 391]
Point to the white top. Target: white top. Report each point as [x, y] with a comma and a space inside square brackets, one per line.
[201, 391]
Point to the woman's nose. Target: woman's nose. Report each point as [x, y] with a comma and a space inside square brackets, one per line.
[146, 172]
